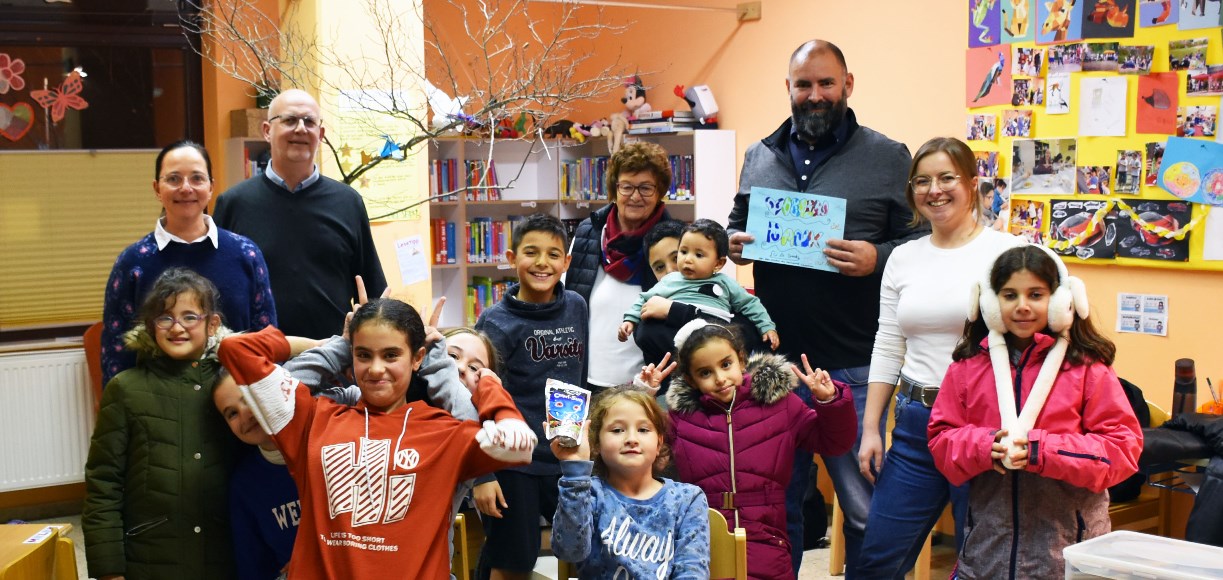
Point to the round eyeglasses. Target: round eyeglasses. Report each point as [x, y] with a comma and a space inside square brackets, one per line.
[187, 321]
[645, 190]
[922, 183]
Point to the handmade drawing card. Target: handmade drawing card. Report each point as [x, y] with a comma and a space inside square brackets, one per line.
[1140, 229]
[1102, 106]
[793, 228]
[1087, 224]
[1043, 166]
[1158, 12]
[1135, 60]
[1192, 170]
[1156, 106]
[1109, 18]
[1059, 20]
[988, 76]
[1057, 94]
[984, 23]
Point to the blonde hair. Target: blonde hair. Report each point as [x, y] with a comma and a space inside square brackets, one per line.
[608, 399]
[493, 357]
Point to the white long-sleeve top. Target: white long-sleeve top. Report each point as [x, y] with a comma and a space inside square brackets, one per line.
[923, 303]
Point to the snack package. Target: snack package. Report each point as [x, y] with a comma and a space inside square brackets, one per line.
[568, 406]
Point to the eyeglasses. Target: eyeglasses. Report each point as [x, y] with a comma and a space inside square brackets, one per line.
[195, 179]
[922, 183]
[188, 321]
[291, 121]
[645, 190]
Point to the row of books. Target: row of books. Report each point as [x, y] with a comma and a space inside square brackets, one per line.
[583, 179]
[485, 240]
[665, 121]
[478, 179]
[482, 293]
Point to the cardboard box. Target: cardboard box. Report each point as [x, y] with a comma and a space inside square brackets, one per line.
[33, 552]
[247, 123]
[1133, 555]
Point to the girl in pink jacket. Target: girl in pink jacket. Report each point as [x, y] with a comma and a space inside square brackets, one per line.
[1032, 413]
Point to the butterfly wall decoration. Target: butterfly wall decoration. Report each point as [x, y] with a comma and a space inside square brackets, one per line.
[59, 100]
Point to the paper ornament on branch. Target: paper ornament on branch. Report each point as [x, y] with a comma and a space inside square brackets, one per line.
[68, 95]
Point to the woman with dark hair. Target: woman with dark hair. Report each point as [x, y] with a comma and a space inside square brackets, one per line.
[922, 307]
[609, 268]
[184, 236]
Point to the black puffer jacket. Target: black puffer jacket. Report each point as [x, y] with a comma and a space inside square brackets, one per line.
[587, 254]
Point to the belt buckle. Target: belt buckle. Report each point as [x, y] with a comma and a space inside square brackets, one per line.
[928, 392]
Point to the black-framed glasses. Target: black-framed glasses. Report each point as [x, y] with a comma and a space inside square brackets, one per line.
[195, 179]
[291, 121]
[923, 183]
[187, 321]
[645, 190]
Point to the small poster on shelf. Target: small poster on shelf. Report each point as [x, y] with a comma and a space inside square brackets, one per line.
[793, 228]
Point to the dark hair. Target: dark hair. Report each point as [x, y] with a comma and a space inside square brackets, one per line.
[1085, 341]
[999, 182]
[963, 160]
[635, 158]
[598, 412]
[714, 232]
[494, 359]
[661, 231]
[702, 336]
[539, 222]
[817, 46]
[986, 188]
[393, 313]
[179, 145]
[172, 283]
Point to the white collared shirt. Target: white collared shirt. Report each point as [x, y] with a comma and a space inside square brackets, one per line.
[164, 238]
[278, 180]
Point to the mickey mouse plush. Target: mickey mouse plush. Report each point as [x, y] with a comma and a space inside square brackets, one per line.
[634, 97]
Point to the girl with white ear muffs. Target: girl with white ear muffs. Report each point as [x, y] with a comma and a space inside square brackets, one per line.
[1031, 413]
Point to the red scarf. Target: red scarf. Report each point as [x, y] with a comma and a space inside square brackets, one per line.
[623, 254]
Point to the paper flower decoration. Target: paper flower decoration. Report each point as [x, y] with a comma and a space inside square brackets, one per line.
[10, 73]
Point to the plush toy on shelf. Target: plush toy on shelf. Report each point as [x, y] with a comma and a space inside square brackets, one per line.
[634, 104]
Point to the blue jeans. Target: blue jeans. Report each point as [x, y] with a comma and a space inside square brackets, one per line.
[910, 494]
[853, 490]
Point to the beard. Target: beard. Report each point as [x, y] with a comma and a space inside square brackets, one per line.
[813, 121]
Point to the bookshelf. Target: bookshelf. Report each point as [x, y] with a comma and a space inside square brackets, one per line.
[546, 176]
[244, 157]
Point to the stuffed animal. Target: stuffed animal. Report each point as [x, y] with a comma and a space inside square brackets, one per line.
[700, 99]
[634, 97]
[560, 128]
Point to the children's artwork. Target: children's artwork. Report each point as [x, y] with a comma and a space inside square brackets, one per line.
[1028, 220]
[1158, 12]
[1201, 14]
[1043, 166]
[988, 77]
[1060, 20]
[16, 120]
[1155, 156]
[1016, 123]
[1135, 60]
[59, 100]
[1084, 228]
[1129, 171]
[1065, 58]
[1094, 179]
[1140, 227]
[982, 127]
[1157, 99]
[1197, 121]
[1057, 94]
[10, 74]
[1026, 62]
[1100, 56]
[987, 163]
[1193, 170]
[1109, 18]
[568, 406]
[1102, 106]
[1017, 21]
[984, 23]
[793, 228]
[1028, 92]
[1188, 54]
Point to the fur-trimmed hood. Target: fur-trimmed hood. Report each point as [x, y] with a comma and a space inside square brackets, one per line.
[141, 342]
[769, 376]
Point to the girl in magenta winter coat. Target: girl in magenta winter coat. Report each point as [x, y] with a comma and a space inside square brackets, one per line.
[736, 425]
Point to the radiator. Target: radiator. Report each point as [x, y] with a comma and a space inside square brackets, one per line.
[47, 411]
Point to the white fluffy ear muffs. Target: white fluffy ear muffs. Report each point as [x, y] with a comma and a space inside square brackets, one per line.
[984, 302]
[1068, 299]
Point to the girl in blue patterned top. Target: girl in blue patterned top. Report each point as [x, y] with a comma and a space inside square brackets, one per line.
[624, 522]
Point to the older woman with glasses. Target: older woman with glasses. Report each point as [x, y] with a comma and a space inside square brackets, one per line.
[923, 304]
[609, 266]
[184, 236]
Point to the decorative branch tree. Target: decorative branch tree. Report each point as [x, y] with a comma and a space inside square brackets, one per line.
[510, 58]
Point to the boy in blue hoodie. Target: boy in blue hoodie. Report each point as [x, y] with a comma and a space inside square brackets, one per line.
[539, 329]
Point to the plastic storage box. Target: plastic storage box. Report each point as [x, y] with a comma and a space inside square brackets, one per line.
[1124, 555]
